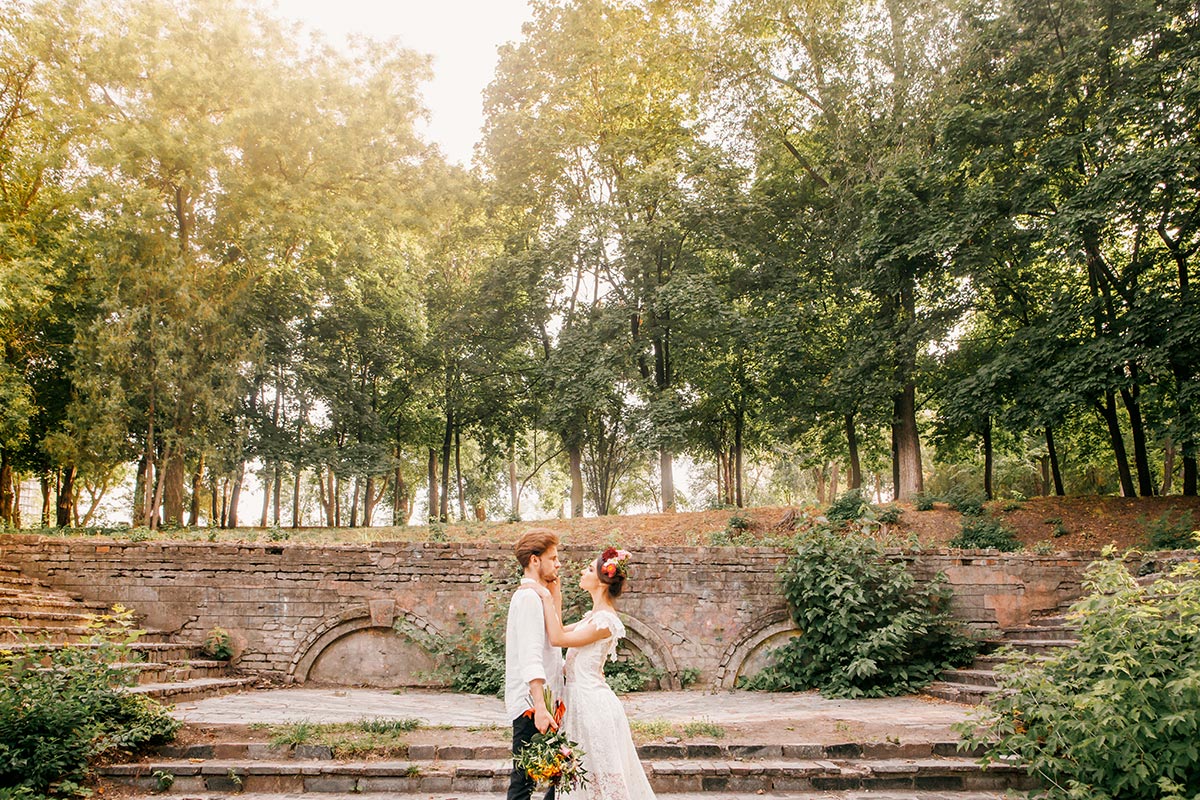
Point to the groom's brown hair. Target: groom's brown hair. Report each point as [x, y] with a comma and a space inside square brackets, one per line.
[534, 542]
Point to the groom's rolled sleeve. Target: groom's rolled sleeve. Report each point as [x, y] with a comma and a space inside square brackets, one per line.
[532, 632]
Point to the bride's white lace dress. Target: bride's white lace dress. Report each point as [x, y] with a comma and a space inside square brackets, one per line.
[596, 720]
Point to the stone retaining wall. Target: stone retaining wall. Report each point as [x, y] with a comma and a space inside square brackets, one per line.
[302, 612]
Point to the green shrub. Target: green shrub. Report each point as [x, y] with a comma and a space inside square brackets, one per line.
[738, 523]
[1118, 716]
[889, 514]
[688, 676]
[217, 644]
[1173, 533]
[848, 507]
[63, 709]
[924, 502]
[630, 674]
[985, 533]
[966, 503]
[868, 629]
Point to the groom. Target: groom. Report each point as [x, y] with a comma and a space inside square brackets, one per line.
[531, 663]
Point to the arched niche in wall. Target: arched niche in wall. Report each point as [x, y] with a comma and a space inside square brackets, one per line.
[748, 654]
[356, 648]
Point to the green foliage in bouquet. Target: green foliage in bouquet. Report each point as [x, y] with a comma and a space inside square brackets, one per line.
[1118, 716]
[551, 759]
[867, 629]
[63, 709]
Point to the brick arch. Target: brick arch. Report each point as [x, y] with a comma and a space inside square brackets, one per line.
[650, 643]
[769, 625]
[349, 620]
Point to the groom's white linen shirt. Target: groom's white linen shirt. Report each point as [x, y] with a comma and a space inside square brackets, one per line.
[528, 652]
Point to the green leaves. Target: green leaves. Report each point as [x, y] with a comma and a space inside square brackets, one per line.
[1118, 716]
[866, 628]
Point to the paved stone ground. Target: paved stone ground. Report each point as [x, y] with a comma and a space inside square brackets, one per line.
[766, 717]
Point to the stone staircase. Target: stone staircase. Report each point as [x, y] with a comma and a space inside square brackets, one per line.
[1041, 637]
[877, 770]
[37, 619]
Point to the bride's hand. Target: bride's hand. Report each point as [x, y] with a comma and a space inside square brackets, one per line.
[542, 591]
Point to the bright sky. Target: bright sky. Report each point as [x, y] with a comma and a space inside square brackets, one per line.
[461, 35]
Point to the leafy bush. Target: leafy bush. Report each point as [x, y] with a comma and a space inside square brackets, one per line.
[217, 644]
[1179, 533]
[62, 709]
[868, 629]
[889, 514]
[1118, 716]
[630, 674]
[688, 676]
[984, 533]
[966, 503]
[924, 502]
[848, 507]
[738, 523]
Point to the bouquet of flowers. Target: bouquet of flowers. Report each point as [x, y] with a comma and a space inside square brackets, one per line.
[550, 758]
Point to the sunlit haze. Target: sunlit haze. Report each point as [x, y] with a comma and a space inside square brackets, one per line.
[461, 35]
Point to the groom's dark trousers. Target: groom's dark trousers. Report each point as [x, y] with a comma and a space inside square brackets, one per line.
[520, 785]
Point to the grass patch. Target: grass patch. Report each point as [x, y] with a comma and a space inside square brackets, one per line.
[646, 730]
[383, 737]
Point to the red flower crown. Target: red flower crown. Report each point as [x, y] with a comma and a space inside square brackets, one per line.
[614, 562]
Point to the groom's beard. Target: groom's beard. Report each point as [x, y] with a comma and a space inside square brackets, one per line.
[546, 576]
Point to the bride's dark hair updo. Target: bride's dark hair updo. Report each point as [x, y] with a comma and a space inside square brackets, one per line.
[611, 570]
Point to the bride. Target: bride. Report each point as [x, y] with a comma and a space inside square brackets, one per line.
[594, 716]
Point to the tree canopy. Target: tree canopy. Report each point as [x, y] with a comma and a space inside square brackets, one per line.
[856, 243]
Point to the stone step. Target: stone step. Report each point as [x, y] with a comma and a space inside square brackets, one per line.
[1042, 632]
[411, 777]
[654, 751]
[195, 688]
[1031, 646]
[178, 670]
[152, 652]
[960, 692]
[30, 619]
[853, 794]
[970, 677]
[63, 633]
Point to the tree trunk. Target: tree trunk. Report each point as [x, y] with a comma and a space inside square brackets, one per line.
[45, 481]
[337, 501]
[834, 470]
[988, 460]
[66, 496]
[197, 491]
[235, 494]
[224, 514]
[447, 444]
[176, 474]
[8, 494]
[1141, 456]
[400, 499]
[739, 498]
[852, 447]
[278, 492]
[433, 484]
[666, 469]
[1052, 453]
[368, 502]
[160, 488]
[296, 497]
[268, 485]
[1168, 467]
[818, 474]
[214, 515]
[458, 478]
[514, 492]
[354, 504]
[906, 444]
[575, 453]
[1109, 413]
